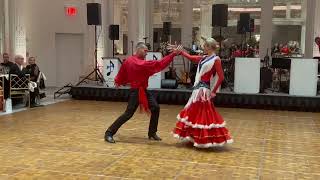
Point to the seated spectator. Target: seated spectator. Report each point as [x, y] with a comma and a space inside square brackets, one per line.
[17, 67]
[7, 64]
[6, 61]
[34, 72]
[32, 69]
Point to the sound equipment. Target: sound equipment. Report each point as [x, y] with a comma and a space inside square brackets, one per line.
[93, 18]
[281, 63]
[171, 74]
[240, 28]
[94, 13]
[220, 19]
[114, 32]
[220, 15]
[245, 22]
[169, 83]
[113, 35]
[166, 28]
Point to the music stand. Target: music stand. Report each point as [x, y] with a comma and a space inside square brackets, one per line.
[96, 71]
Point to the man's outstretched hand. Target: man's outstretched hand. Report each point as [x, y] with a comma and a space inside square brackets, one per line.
[175, 48]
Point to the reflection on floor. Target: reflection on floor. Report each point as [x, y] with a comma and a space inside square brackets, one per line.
[65, 141]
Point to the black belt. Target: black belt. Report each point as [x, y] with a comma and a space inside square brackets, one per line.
[202, 84]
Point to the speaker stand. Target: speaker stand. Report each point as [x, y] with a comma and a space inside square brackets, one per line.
[145, 40]
[98, 77]
[112, 48]
[132, 48]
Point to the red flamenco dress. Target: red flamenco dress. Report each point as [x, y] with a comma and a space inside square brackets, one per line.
[199, 122]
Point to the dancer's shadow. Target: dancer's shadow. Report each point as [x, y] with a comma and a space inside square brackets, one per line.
[138, 140]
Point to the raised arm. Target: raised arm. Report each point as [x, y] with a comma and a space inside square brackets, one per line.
[154, 66]
[193, 58]
[163, 63]
[219, 70]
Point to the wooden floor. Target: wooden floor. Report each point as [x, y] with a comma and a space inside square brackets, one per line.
[65, 141]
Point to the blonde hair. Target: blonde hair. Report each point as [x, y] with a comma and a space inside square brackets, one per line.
[32, 57]
[211, 43]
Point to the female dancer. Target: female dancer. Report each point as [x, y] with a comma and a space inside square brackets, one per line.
[199, 122]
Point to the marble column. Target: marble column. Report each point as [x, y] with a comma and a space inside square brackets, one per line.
[2, 26]
[133, 25]
[266, 27]
[187, 23]
[117, 21]
[149, 21]
[310, 27]
[206, 20]
[303, 26]
[288, 11]
[14, 27]
[316, 29]
[140, 22]
[108, 19]
[18, 32]
[6, 27]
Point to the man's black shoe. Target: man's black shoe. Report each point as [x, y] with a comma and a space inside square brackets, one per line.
[109, 138]
[154, 137]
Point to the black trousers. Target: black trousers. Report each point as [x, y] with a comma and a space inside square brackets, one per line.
[133, 104]
[6, 88]
[33, 95]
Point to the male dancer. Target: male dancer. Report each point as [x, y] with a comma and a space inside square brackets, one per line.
[136, 71]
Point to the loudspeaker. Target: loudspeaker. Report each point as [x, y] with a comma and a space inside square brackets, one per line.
[245, 21]
[166, 28]
[169, 83]
[94, 13]
[114, 32]
[220, 15]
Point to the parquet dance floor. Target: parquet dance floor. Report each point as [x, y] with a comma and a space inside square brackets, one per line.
[65, 141]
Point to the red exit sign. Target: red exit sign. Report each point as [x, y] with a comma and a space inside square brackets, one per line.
[71, 11]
